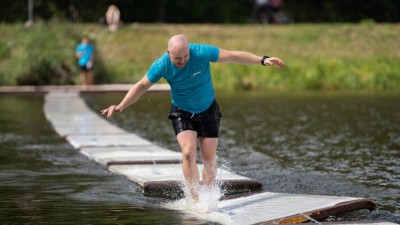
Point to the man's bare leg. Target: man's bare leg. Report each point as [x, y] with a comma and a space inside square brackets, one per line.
[208, 148]
[187, 142]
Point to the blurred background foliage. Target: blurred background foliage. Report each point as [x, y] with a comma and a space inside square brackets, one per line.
[328, 44]
[363, 56]
[205, 11]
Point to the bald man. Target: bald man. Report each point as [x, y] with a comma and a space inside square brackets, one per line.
[194, 112]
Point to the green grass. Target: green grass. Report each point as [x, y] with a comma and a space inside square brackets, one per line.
[362, 56]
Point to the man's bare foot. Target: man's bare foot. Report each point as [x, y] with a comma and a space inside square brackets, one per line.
[195, 197]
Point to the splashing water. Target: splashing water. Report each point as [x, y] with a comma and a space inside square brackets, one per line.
[206, 208]
[207, 201]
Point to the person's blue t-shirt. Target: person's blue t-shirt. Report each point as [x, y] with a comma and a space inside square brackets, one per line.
[191, 86]
[87, 50]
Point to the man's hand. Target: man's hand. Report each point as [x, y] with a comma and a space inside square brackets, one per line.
[110, 111]
[274, 61]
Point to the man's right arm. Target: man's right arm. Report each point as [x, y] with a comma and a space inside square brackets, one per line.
[131, 97]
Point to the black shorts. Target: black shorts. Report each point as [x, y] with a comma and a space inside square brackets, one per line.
[206, 123]
[85, 69]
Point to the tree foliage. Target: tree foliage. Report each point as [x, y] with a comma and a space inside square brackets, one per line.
[194, 11]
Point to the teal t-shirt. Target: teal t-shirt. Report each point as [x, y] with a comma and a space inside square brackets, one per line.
[87, 50]
[191, 86]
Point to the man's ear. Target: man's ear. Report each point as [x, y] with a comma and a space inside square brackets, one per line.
[168, 51]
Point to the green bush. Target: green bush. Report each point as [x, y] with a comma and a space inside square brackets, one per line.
[318, 57]
[4, 51]
[42, 72]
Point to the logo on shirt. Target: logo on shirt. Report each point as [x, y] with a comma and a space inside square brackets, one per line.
[195, 74]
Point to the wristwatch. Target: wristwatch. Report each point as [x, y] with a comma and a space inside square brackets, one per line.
[263, 59]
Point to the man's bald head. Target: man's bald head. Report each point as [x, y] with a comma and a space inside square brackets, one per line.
[177, 42]
[178, 50]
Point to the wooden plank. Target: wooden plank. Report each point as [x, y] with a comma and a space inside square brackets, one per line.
[73, 107]
[62, 94]
[76, 88]
[165, 180]
[148, 154]
[354, 223]
[65, 129]
[106, 140]
[79, 118]
[65, 103]
[69, 115]
[145, 173]
[282, 208]
[173, 189]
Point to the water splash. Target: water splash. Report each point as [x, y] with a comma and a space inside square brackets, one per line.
[207, 201]
[206, 208]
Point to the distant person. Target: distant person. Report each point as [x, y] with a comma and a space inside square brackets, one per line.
[274, 10]
[194, 113]
[85, 54]
[259, 12]
[112, 17]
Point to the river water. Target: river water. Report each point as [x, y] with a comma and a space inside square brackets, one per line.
[342, 144]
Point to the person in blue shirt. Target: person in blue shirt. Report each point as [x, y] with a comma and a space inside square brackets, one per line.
[194, 112]
[85, 54]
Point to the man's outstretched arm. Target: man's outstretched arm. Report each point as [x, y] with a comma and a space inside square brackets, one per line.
[243, 57]
[131, 97]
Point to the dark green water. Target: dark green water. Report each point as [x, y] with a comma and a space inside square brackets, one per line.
[342, 144]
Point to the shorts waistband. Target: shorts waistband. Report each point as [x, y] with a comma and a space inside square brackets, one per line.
[193, 114]
[177, 112]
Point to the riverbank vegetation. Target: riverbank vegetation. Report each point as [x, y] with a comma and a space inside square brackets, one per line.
[364, 56]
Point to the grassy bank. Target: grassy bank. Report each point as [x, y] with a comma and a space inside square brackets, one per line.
[318, 57]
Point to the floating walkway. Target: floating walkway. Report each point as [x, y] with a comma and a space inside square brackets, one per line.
[158, 171]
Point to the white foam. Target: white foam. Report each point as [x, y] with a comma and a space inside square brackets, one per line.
[215, 216]
[206, 208]
[207, 202]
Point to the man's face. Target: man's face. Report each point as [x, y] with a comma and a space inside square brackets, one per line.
[179, 58]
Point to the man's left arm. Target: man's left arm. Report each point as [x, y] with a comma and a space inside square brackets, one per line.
[92, 55]
[243, 57]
